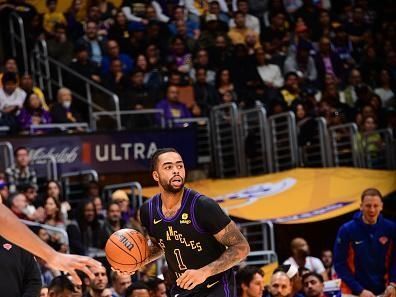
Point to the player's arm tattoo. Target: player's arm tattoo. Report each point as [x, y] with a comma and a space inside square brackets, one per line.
[237, 249]
[155, 251]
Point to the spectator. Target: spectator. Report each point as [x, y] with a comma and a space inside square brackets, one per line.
[18, 205]
[291, 90]
[220, 53]
[11, 96]
[301, 62]
[61, 286]
[92, 190]
[119, 32]
[385, 87]
[202, 60]
[172, 107]
[276, 37]
[53, 217]
[300, 257]
[33, 113]
[251, 22]
[82, 65]
[327, 259]
[196, 9]
[224, 83]
[269, 74]
[33, 210]
[10, 65]
[362, 249]
[52, 17]
[97, 201]
[238, 33]
[342, 45]
[99, 284]
[157, 287]
[293, 274]
[92, 41]
[279, 285]
[179, 58]
[327, 61]
[205, 94]
[21, 174]
[121, 197]
[113, 221]
[63, 111]
[120, 284]
[116, 80]
[313, 285]
[60, 47]
[26, 84]
[113, 52]
[89, 226]
[54, 190]
[106, 293]
[74, 27]
[19, 275]
[179, 15]
[138, 289]
[250, 282]
[107, 10]
[215, 9]
[44, 291]
[354, 80]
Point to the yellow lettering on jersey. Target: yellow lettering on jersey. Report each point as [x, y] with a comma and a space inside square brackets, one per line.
[168, 238]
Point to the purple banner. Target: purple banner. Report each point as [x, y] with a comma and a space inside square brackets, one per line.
[124, 151]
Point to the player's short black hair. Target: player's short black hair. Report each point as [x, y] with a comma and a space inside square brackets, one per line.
[314, 274]
[60, 284]
[20, 148]
[159, 152]
[9, 77]
[135, 286]
[153, 283]
[370, 192]
[245, 276]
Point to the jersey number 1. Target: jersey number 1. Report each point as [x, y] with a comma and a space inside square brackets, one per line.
[179, 259]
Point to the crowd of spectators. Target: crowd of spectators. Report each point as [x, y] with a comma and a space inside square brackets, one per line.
[334, 59]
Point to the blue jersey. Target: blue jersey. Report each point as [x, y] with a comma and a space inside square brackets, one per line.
[364, 255]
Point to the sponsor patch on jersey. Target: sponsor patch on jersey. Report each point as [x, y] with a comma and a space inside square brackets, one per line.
[383, 240]
[185, 219]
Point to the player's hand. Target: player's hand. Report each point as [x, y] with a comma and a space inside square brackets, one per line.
[123, 272]
[366, 293]
[71, 263]
[190, 279]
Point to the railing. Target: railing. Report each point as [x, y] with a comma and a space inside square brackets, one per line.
[74, 190]
[283, 133]
[136, 192]
[62, 127]
[313, 143]
[63, 232]
[261, 238]
[158, 115]
[203, 136]
[343, 145]
[42, 68]
[17, 35]
[227, 148]
[7, 155]
[255, 137]
[4, 129]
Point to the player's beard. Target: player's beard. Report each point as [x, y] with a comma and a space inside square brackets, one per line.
[168, 187]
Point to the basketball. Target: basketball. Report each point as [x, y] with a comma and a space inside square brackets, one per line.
[126, 250]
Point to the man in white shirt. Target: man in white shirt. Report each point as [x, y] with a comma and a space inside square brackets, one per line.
[270, 74]
[251, 22]
[11, 97]
[300, 257]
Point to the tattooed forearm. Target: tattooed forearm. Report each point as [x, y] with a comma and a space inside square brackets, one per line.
[238, 249]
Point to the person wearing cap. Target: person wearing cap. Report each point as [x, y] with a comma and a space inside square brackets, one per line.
[301, 258]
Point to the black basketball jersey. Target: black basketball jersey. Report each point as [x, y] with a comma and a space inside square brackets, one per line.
[187, 238]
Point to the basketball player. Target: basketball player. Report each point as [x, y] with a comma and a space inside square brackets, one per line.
[13, 230]
[200, 242]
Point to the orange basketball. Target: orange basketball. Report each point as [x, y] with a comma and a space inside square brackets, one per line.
[126, 250]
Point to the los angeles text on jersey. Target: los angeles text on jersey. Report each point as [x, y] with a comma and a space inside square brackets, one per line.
[172, 234]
